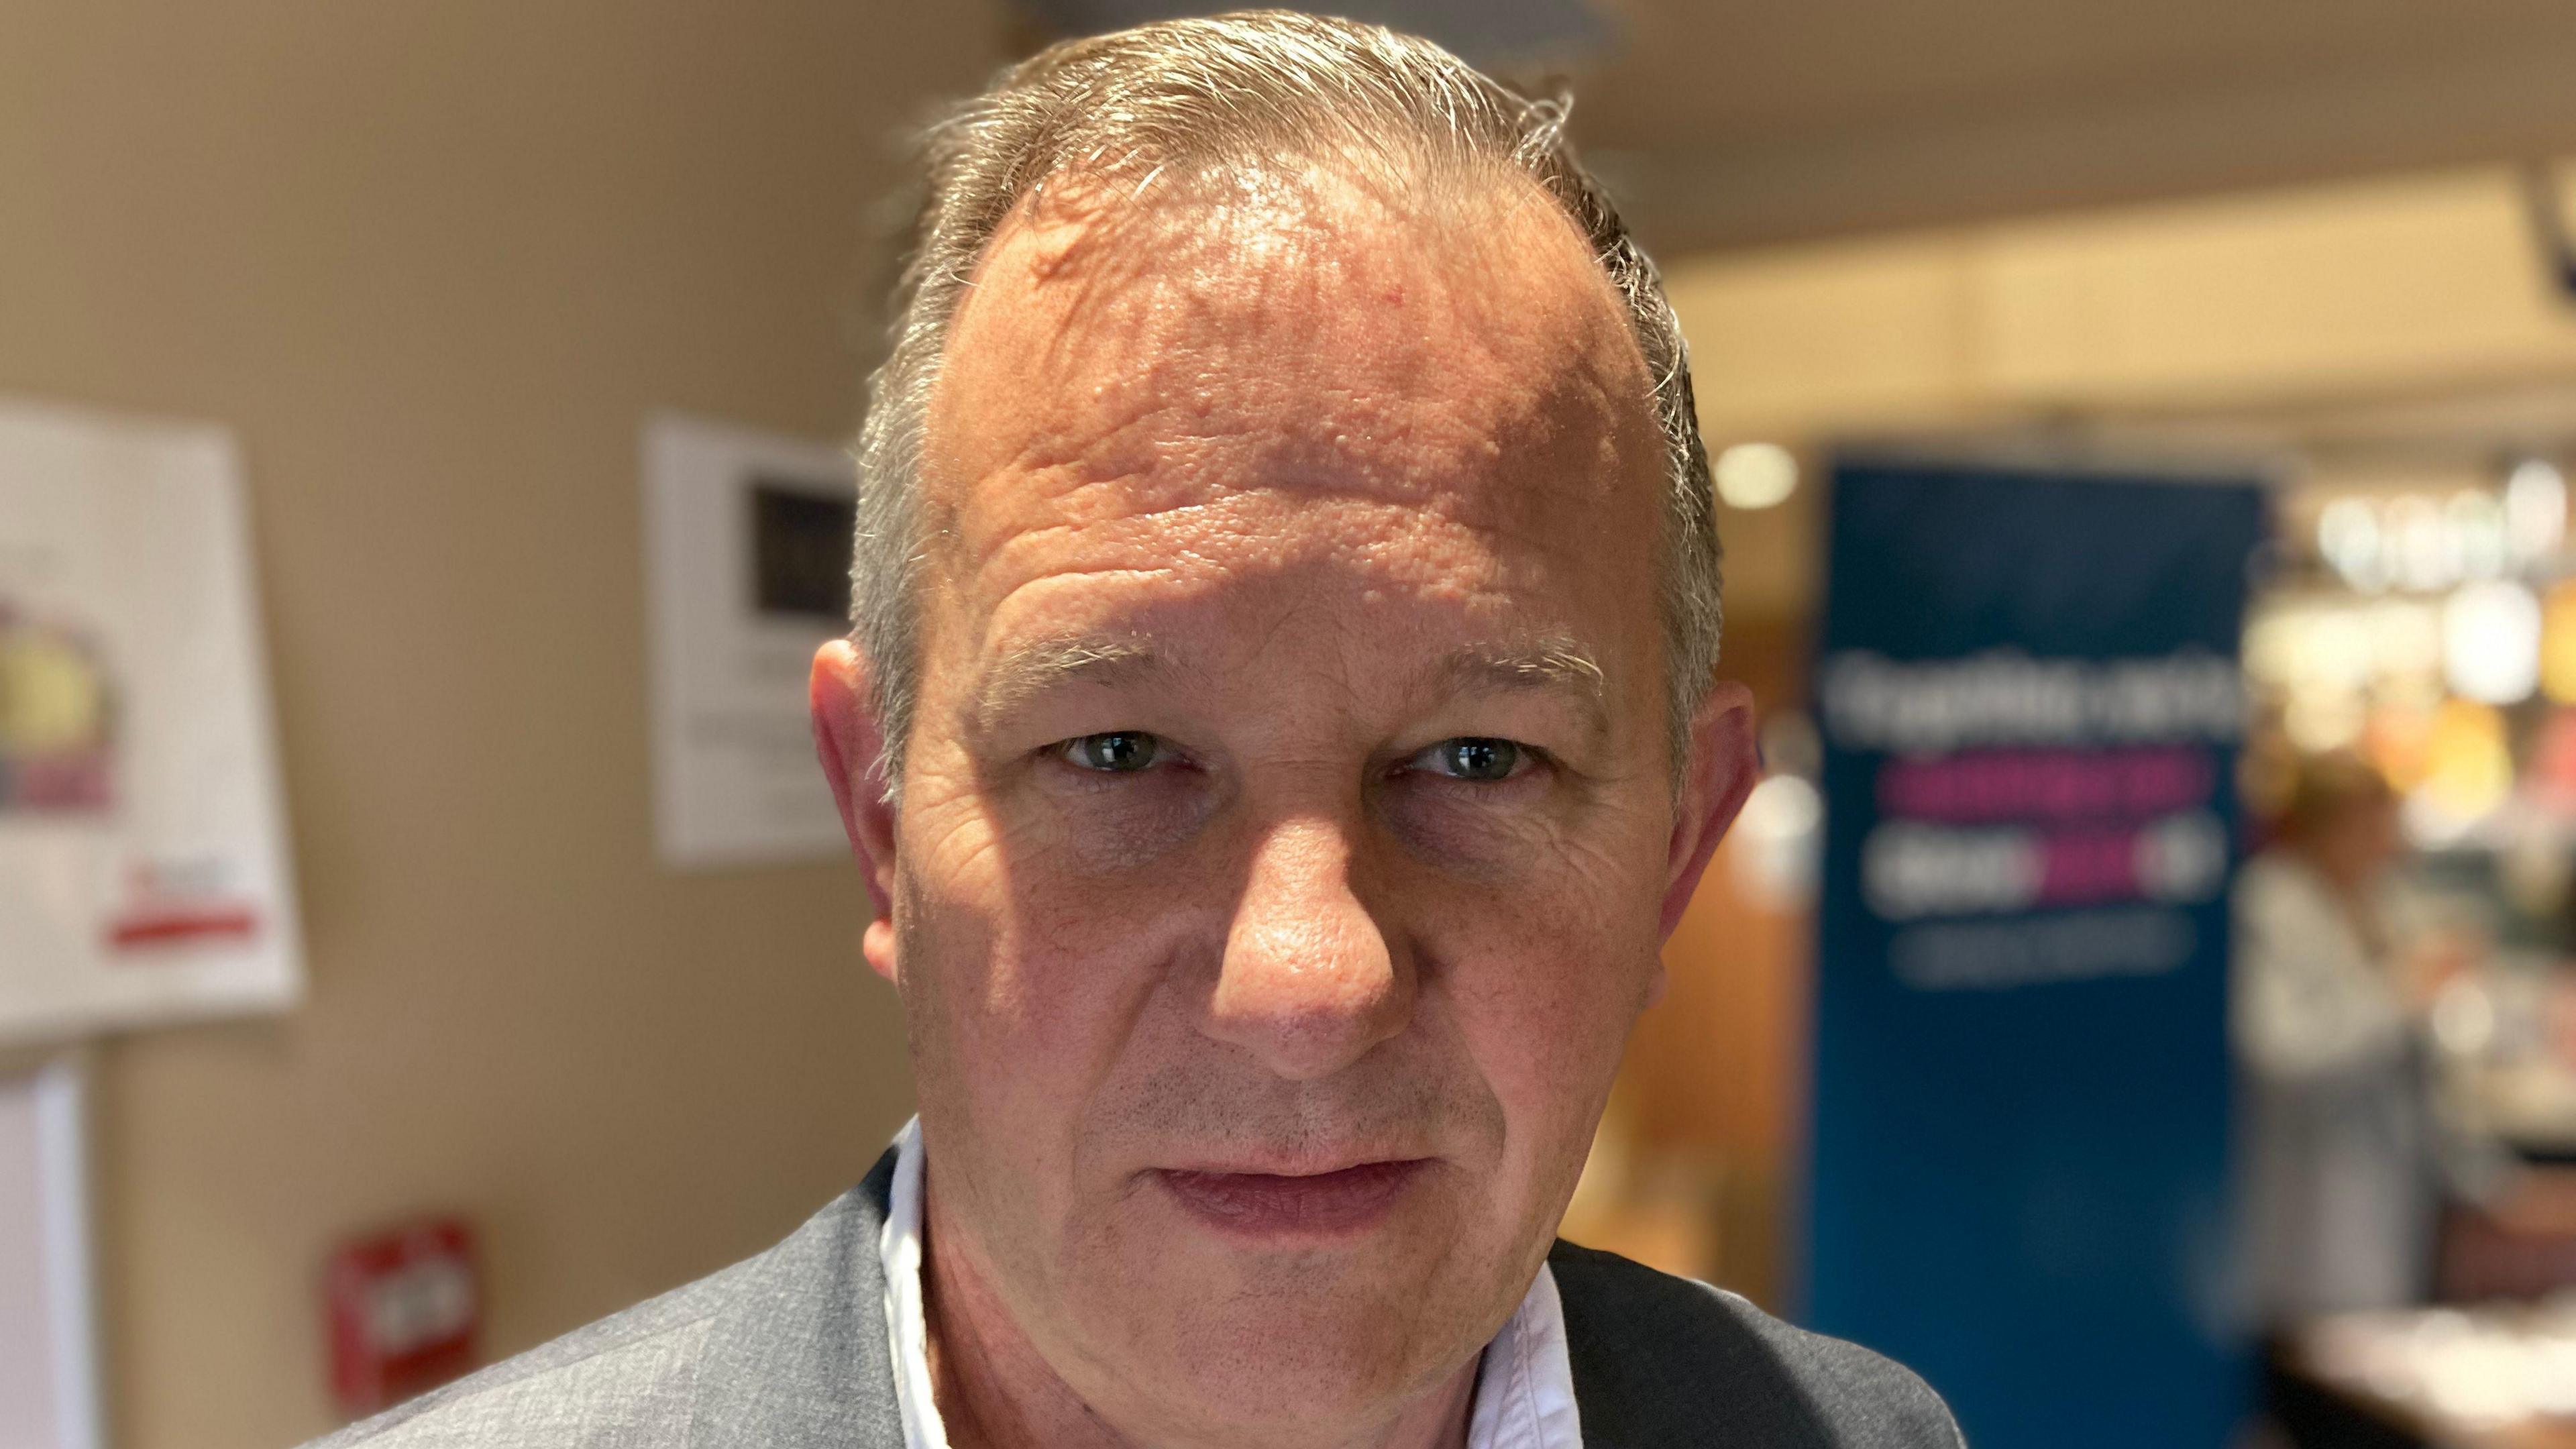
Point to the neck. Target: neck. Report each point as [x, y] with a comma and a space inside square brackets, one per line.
[996, 1391]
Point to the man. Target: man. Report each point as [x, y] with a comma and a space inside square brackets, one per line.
[1278, 737]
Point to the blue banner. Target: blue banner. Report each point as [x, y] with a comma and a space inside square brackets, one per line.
[2028, 689]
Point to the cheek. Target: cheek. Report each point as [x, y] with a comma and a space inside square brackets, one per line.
[1546, 983]
[1010, 1039]
[1024, 970]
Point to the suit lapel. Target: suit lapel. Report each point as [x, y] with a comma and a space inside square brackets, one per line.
[799, 1359]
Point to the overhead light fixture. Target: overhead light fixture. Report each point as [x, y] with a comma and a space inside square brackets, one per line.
[2491, 642]
[2535, 511]
[2424, 552]
[2348, 538]
[2477, 524]
[1756, 475]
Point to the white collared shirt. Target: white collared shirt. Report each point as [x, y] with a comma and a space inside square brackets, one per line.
[1524, 1387]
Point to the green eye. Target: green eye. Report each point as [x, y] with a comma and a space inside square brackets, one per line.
[1117, 752]
[1476, 758]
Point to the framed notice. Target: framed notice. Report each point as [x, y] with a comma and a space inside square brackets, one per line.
[747, 565]
[144, 872]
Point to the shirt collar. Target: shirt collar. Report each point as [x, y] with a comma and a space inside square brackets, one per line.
[1524, 1386]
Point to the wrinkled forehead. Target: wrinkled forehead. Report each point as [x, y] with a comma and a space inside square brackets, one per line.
[1451, 347]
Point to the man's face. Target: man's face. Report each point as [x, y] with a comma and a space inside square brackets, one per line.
[1287, 832]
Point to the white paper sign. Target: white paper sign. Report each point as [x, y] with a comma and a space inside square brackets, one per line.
[747, 538]
[144, 875]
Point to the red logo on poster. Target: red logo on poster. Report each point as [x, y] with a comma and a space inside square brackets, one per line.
[404, 1308]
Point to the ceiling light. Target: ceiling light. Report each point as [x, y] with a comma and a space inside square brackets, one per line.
[2491, 639]
[2535, 511]
[1756, 475]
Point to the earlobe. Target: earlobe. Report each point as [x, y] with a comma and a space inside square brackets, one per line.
[850, 744]
[877, 945]
[1724, 766]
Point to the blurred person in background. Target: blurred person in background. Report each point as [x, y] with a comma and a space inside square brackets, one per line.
[1279, 734]
[2328, 998]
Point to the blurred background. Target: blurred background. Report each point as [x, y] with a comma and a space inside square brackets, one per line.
[465, 302]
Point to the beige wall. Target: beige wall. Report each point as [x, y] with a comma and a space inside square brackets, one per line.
[434, 263]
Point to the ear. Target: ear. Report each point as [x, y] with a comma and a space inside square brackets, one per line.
[1723, 768]
[850, 742]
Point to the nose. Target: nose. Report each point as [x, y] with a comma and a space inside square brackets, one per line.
[1308, 983]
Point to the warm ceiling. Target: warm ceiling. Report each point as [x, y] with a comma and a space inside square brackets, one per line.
[1728, 122]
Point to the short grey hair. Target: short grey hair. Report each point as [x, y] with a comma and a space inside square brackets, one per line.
[1247, 89]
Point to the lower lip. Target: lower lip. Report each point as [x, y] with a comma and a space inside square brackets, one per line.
[1324, 1204]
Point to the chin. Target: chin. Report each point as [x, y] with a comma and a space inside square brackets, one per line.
[1279, 1375]
[1247, 1335]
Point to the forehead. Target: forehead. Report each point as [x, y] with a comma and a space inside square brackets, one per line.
[1297, 371]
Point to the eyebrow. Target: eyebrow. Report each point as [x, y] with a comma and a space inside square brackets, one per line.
[1549, 664]
[1554, 665]
[1032, 669]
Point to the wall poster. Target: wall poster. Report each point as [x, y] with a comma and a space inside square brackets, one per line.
[144, 873]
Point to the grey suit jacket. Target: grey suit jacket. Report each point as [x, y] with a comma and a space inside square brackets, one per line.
[788, 1351]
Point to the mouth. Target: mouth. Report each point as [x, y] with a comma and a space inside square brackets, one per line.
[1273, 1205]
